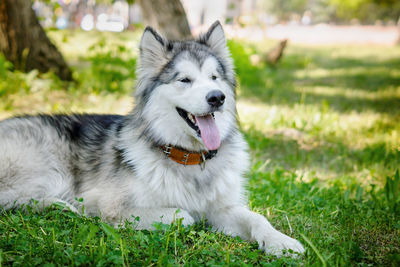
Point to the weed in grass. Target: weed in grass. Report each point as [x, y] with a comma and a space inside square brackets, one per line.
[392, 192]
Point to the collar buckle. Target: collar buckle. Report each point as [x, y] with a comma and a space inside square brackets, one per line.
[185, 159]
[203, 161]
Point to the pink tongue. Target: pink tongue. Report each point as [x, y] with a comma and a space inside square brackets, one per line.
[209, 131]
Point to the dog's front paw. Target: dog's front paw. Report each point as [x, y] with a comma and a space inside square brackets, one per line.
[277, 244]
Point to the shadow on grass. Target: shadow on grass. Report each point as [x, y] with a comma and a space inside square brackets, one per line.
[367, 81]
[280, 85]
[341, 103]
[334, 157]
[321, 59]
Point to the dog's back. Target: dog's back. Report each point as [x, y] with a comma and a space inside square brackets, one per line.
[44, 156]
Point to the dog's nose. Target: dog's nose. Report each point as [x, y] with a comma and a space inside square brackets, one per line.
[215, 98]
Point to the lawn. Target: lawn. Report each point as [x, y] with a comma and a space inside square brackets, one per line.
[324, 131]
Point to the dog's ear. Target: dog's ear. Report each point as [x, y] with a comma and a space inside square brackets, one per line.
[152, 50]
[215, 39]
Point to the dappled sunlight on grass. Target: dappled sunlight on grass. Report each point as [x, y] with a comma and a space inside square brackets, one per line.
[326, 112]
[57, 101]
[75, 44]
[322, 143]
[351, 93]
[324, 135]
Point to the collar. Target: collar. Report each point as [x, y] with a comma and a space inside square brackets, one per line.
[185, 157]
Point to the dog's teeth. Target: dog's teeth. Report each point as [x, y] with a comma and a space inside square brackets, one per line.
[191, 117]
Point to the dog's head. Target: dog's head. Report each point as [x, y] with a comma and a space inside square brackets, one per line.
[185, 89]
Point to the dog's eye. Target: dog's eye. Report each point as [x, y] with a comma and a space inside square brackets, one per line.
[213, 77]
[185, 80]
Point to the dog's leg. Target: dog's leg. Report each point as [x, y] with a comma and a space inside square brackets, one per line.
[148, 216]
[240, 221]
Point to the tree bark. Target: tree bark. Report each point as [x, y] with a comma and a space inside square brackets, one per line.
[24, 42]
[166, 16]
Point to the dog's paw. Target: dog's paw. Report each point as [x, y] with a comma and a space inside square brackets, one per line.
[185, 216]
[279, 244]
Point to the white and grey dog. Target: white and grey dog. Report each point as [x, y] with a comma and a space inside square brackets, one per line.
[179, 149]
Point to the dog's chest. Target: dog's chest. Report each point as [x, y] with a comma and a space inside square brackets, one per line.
[167, 185]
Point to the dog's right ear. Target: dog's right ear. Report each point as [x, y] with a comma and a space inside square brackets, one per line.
[152, 50]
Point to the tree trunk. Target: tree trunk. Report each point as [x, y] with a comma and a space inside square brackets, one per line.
[24, 42]
[275, 54]
[398, 31]
[167, 17]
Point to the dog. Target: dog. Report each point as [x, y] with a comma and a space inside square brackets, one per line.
[177, 155]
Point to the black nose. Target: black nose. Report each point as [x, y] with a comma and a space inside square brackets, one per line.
[215, 98]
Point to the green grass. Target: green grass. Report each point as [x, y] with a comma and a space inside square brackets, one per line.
[324, 133]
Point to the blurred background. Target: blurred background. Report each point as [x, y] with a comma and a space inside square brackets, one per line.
[318, 97]
[305, 21]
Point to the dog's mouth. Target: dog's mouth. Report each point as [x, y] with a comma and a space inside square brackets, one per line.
[205, 127]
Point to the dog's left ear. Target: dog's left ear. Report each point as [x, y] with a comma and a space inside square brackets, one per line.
[215, 39]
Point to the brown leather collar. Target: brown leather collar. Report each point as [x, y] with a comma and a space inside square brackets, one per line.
[185, 157]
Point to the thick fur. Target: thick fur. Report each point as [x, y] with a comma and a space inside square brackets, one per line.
[115, 163]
